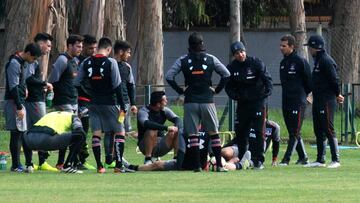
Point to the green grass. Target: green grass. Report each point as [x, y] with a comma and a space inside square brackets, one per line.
[274, 184]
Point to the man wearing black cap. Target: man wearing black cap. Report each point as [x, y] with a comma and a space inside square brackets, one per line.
[295, 77]
[199, 108]
[250, 84]
[151, 120]
[326, 91]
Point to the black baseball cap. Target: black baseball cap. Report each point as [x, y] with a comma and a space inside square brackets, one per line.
[316, 42]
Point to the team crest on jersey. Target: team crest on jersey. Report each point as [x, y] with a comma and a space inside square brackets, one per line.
[316, 69]
[249, 74]
[189, 61]
[292, 70]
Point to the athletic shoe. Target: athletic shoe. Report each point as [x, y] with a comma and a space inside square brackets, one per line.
[71, 170]
[284, 163]
[245, 160]
[47, 167]
[19, 169]
[147, 162]
[29, 169]
[36, 167]
[101, 170]
[315, 164]
[88, 166]
[123, 170]
[303, 161]
[259, 166]
[221, 169]
[112, 165]
[334, 164]
[125, 162]
[59, 166]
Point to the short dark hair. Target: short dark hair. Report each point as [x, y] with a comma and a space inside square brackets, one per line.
[43, 36]
[89, 39]
[121, 45]
[104, 43]
[34, 49]
[196, 42]
[156, 97]
[72, 39]
[289, 38]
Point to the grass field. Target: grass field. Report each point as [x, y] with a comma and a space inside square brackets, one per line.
[274, 184]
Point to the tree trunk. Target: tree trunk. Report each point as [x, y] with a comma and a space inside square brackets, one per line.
[131, 8]
[298, 25]
[114, 20]
[235, 20]
[17, 30]
[345, 39]
[150, 61]
[92, 18]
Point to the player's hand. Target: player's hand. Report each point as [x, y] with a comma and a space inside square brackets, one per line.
[49, 86]
[309, 98]
[20, 113]
[173, 129]
[340, 99]
[133, 109]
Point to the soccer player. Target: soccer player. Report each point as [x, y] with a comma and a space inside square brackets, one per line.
[37, 87]
[326, 92]
[54, 131]
[295, 77]
[199, 107]
[62, 78]
[250, 84]
[272, 134]
[106, 96]
[14, 109]
[151, 120]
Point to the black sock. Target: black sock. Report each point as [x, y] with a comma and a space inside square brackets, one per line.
[119, 149]
[148, 158]
[238, 166]
[109, 147]
[96, 146]
[15, 146]
[195, 151]
[61, 158]
[216, 148]
[133, 167]
[27, 153]
[43, 155]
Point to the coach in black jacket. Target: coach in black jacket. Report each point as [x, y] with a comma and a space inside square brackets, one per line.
[326, 91]
[250, 84]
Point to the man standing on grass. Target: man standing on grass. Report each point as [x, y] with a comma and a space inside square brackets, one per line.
[199, 107]
[295, 77]
[14, 109]
[326, 92]
[151, 119]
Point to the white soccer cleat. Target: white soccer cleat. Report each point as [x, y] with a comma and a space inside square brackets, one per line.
[314, 164]
[71, 170]
[29, 169]
[334, 164]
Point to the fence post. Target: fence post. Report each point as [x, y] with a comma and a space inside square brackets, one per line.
[147, 94]
[231, 114]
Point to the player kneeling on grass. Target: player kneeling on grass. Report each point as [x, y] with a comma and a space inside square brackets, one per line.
[185, 159]
[55, 131]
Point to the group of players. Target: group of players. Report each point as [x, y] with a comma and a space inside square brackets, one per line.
[93, 89]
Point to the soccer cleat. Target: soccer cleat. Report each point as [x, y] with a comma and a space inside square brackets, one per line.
[315, 164]
[112, 165]
[245, 160]
[88, 166]
[71, 170]
[221, 169]
[334, 164]
[101, 170]
[59, 166]
[36, 167]
[284, 163]
[47, 167]
[19, 169]
[259, 166]
[29, 169]
[303, 161]
[123, 170]
[125, 162]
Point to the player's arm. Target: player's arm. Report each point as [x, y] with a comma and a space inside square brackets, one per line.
[170, 76]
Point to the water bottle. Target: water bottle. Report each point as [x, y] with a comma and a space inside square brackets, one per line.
[49, 98]
[21, 124]
[2, 161]
[122, 117]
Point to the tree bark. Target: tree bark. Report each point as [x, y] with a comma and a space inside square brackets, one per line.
[298, 25]
[150, 60]
[235, 22]
[114, 20]
[345, 39]
[131, 8]
[92, 18]
[17, 30]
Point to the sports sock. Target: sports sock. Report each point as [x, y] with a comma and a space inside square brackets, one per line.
[133, 167]
[119, 149]
[15, 146]
[238, 166]
[195, 151]
[216, 148]
[96, 146]
[109, 147]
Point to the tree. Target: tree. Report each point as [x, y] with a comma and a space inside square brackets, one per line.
[150, 43]
[92, 17]
[345, 39]
[298, 25]
[114, 20]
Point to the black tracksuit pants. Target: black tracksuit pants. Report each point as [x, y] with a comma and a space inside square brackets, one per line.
[251, 115]
[293, 117]
[323, 119]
